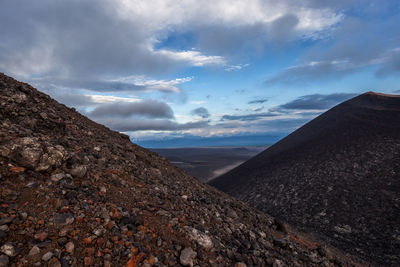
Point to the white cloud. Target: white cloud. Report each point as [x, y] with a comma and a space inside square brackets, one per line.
[194, 58]
[198, 102]
[236, 67]
[154, 85]
[103, 99]
[126, 33]
[166, 14]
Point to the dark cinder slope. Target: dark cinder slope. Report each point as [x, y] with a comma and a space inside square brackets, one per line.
[338, 176]
[74, 193]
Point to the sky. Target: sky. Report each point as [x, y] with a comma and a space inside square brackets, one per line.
[193, 73]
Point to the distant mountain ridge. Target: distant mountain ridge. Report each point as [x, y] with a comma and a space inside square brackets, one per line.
[338, 175]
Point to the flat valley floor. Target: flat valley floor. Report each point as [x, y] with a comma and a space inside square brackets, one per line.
[206, 163]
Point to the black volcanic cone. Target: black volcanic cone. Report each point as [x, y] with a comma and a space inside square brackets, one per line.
[338, 175]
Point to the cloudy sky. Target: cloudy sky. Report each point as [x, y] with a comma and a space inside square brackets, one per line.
[240, 70]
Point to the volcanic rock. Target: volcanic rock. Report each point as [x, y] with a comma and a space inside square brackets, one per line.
[10, 249]
[187, 256]
[140, 219]
[337, 176]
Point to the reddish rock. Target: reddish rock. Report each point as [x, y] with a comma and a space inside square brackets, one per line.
[88, 261]
[41, 236]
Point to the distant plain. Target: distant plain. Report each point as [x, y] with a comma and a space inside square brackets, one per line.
[206, 163]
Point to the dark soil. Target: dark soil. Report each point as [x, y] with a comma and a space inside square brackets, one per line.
[337, 176]
[74, 193]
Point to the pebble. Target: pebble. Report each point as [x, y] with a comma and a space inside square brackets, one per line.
[278, 263]
[78, 171]
[232, 214]
[35, 250]
[64, 231]
[187, 256]
[201, 238]
[61, 219]
[41, 236]
[10, 249]
[98, 231]
[88, 261]
[47, 256]
[4, 261]
[69, 247]
[57, 177]
[62, 241]
[54, 263]
[6, 220]
[24, 215]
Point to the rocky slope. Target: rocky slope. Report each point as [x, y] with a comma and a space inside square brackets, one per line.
[338, 176]
[74, 193]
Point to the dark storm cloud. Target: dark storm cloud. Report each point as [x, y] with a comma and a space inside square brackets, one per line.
[103, 86]
[66, 97]
[116, 86]
[83, 39]
[202, 112]
[145, 108]
[130, 125]
[248, 117]
[258, 101]
[74, 100]
[317, 101]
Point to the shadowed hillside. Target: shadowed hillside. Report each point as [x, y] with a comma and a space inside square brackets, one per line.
[338, 175]
[74, 193]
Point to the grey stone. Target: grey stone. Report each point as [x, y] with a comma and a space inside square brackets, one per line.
[232, 214]
[78, 171]
[27, 152]
[201, 238]
[187, 256]
[57, 177]
[53, 158]
[10, 249]
[47, 256]
[61, 219]
[34, 251]
[98, 231]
